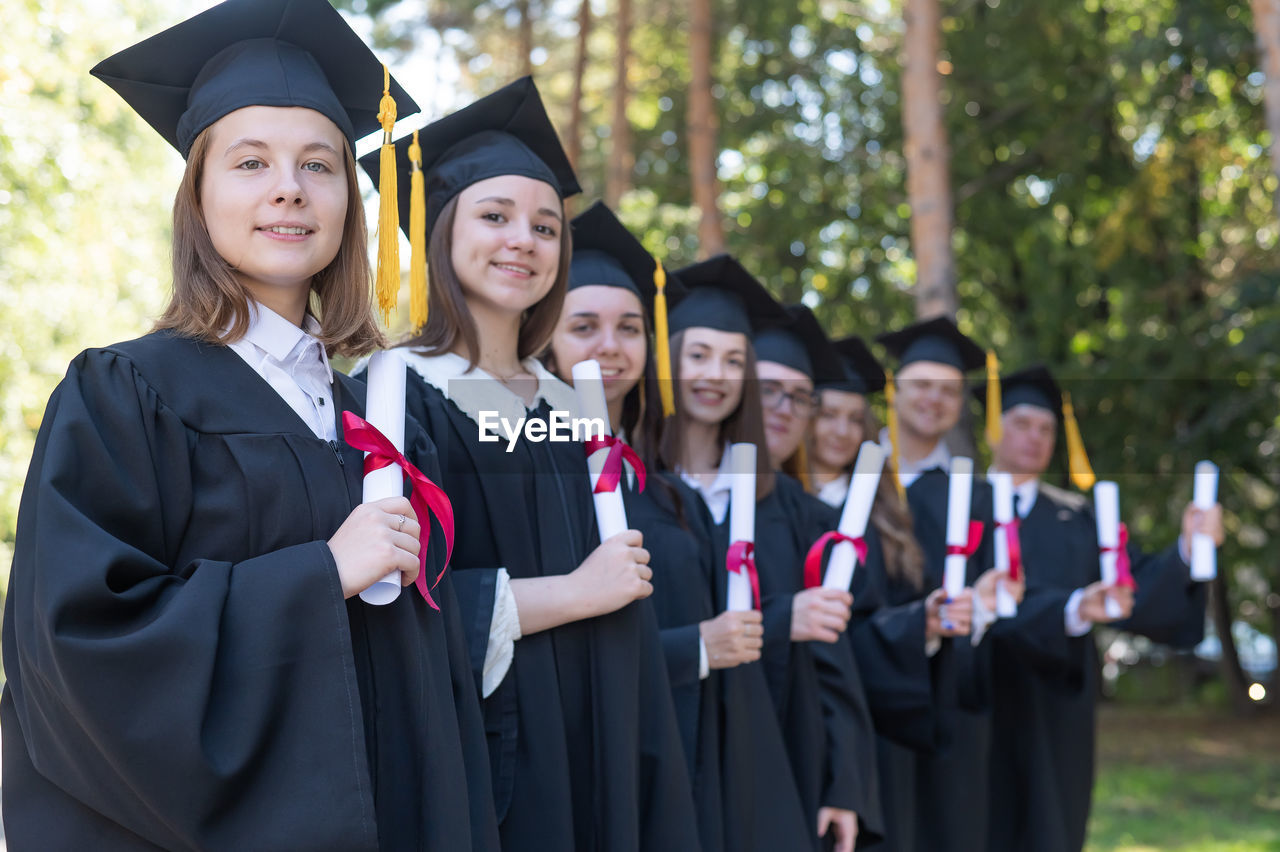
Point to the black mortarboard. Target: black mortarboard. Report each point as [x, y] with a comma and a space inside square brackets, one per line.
[605, 252]
[724, 296]
[1028, 386]
[240, 53]
[504, 133]
[938, 340]
[800, 343]
[863, 374]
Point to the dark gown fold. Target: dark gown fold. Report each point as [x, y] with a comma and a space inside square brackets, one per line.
[183, 671]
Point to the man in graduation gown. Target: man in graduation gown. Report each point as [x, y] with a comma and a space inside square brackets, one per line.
[951, 782]
[1045, 659]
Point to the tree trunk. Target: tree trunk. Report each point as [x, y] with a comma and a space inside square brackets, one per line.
[526, 37]
[701, 126]
[1232, 673]
[928, 162]
[621, 157]
[579, 71]
[1266, 24]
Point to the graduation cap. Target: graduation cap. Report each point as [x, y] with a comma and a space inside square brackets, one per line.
[725, 297]
[281, 53]
[1036, 386]
[605, 253]
[506, 132]
[863, 374]
[937, 340]
[800, 343]
[286, 53]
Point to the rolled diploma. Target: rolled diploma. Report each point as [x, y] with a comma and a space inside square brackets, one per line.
[1204, 554]
[742, 518]
[1106, 502]
[611, 515]
[1002, 509]
[854, 516]
[959, 494]
[384, 409]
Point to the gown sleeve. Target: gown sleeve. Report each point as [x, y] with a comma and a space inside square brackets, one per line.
[190, 701]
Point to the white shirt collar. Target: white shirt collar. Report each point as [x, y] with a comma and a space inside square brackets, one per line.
[939, 457]
[716, 495]
[1024, 494]
[278, 337]
[835, 491]
[475, 391]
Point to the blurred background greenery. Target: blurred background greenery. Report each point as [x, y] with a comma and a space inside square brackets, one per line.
[1114, 214]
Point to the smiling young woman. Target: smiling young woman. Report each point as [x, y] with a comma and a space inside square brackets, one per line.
[583, 741]
[188, 663]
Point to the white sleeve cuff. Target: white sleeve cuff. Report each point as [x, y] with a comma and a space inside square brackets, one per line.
[504, 630]
[932, 645]
[982, 619]
[1074, 624]
[704, 665]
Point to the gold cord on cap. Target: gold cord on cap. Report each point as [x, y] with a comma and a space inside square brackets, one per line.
[662, 343]
[1077, 460]
[388, 277]
[993, 399]
[417, 238]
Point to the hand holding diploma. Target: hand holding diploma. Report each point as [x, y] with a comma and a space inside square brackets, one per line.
[744, 585]
[1203, 521]
[963, 535]
[384, 411]
[1113, 540]
[1008, 547]
[850, 548]
[588, 384]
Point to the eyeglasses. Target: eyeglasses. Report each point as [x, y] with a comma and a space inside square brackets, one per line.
[803, 403]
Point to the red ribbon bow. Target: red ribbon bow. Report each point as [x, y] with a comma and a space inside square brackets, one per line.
[425, 496]
[611, 473]
[1124, 575]
[813, 560]
[742, 556]
[1012, 537]
[971, 546]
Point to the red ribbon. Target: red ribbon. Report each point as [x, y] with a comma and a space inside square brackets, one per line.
[971, 547]
[611, 473]
[813, 560]
[425, 496]
[742, 556]
[1124, 575]
[1012, 537]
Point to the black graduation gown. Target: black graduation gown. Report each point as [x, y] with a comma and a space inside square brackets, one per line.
[816, 687]
[1042, 757]
[742, 784]
[952, 782]
[183, 670]
[583, 744]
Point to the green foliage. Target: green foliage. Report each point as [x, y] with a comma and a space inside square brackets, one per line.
[85, 189]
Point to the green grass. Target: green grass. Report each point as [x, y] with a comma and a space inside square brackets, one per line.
[1171, 782]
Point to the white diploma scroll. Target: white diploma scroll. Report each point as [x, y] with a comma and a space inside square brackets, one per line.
[1106, 506]
[742, 519]
[611, 515]
[959, 495]
[384, 409]
[1002, 510]
[1204, 553]
[853, 519]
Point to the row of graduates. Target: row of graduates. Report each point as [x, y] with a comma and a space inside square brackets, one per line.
[190, 666]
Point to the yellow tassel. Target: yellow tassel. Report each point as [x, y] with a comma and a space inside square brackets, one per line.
[388, 278]
[663, 354]
[1077, 460]
[801, 461]
[417, 239]
[892, 418]
[993, 400]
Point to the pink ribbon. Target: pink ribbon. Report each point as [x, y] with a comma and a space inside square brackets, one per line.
[741, 557]
[1124, 575]
[971, 546]
[1012, 536]
[813, 559]
[425, 496]
[611, 473]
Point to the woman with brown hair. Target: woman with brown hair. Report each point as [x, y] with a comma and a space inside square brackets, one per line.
[583, 744]
[188, 665]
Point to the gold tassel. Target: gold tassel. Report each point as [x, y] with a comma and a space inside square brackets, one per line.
[663, 344]
[892, 418]
[1077, 460]
[417, 239]
[801, 462]
[993, 399]
[388, 278]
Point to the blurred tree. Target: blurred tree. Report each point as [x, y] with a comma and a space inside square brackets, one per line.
[1266, 23]
[702, 126]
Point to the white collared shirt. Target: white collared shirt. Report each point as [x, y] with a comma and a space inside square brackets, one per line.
[835, 491]
[909, 472]
[293, 361]
[715, 495]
